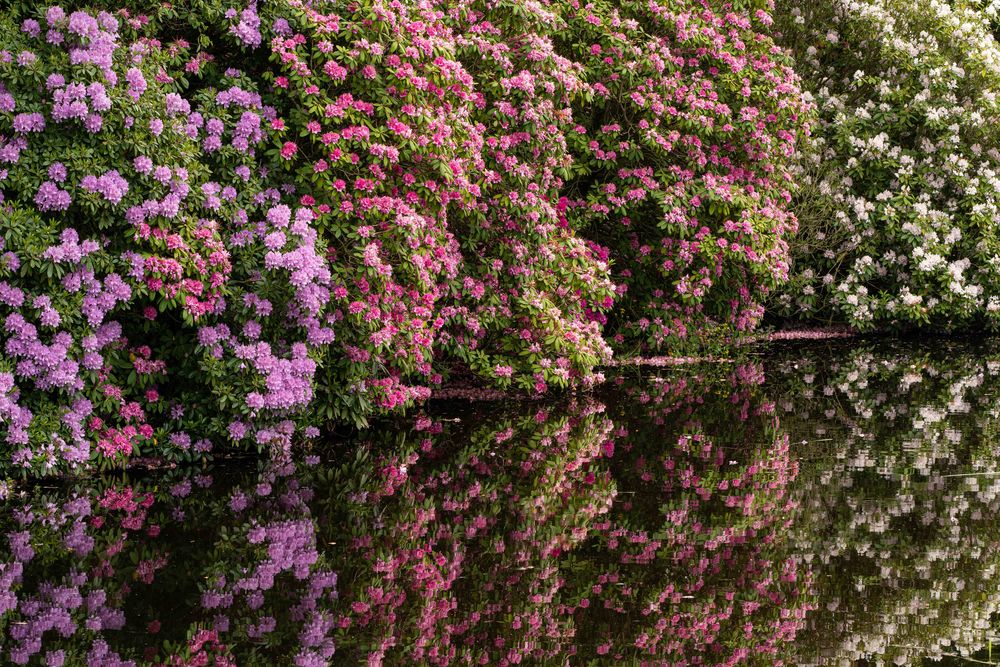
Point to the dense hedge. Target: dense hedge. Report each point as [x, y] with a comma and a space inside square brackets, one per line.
[230, 222]
[682, 161]
[898, 199]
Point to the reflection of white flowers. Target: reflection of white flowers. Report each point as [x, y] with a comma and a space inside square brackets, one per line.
[908, 380]
[884, 472]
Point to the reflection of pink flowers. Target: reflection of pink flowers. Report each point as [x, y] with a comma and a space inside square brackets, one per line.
[715, 542]
[145, 571]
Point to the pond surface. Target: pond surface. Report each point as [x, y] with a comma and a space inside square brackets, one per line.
[820, 504]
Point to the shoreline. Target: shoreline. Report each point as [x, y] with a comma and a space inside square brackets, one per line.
[459, 392]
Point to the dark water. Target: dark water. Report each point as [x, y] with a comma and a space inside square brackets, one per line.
[818, 505]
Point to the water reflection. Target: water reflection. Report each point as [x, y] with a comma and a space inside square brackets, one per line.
[842, 509]
[900, 498]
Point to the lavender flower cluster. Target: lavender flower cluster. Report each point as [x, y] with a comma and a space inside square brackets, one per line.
[135, 212]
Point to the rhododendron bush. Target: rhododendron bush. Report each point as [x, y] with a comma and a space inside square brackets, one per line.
[899, 192]
[438, 202]
[683, 151]
[990, 10]
[156, 294]
[231, 223]
[227, 222]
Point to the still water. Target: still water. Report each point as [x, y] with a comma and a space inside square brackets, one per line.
[819, 504]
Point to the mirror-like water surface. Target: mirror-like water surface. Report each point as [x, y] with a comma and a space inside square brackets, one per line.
[814, 505]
